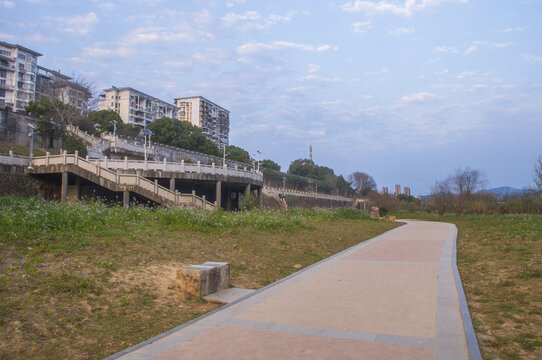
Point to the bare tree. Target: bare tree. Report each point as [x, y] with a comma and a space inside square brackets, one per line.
[465, 182]
[538, 173]
[362, 183]
[441, 196]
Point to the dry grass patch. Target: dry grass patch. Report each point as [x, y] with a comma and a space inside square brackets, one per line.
[90, 287]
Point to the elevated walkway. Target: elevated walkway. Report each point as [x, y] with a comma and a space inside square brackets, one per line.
[115, 181]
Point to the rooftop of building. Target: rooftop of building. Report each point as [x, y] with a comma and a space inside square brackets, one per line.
[17, 46]
[114, 88]
[201, 98]
[55, 73]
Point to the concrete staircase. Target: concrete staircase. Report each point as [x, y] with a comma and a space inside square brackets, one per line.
[114, 181]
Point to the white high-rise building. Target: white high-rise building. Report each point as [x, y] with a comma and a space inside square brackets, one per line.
[53, 84]
[135, 107]
[213, 120]
[18, 70]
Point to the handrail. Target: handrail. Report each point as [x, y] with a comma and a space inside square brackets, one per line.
[120, 179]
[306, 193]
[181, 167]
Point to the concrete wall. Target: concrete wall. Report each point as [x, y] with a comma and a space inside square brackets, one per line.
[14, 182]
[14, 129]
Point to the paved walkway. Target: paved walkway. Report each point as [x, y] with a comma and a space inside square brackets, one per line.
[396, 296]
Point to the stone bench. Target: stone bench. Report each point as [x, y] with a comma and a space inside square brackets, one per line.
[201, 280]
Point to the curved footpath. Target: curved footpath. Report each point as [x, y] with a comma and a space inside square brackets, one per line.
[396, 296]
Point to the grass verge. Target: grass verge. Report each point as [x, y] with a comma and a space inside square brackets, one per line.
[86, 281]
[500, 262]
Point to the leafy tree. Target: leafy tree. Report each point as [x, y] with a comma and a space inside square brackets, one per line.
[105, 119]
[362, 183]
[237, 154]
[71, 144]
[303, 167]
[181, 134]
[249, 202]
[269, 164]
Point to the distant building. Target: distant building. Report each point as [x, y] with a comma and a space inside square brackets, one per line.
[18, 69]
[135, 107]
[213, 120]
[406, 191]
[384, 190]
[397, 189]
[53, 84]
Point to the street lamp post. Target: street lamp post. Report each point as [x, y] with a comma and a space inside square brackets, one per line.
[224, 154]
[31, 151]
[146, 132]
[115, 135]
[258, 159]
[283, 187]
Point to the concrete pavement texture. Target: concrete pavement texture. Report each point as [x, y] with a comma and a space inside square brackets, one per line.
[395, 296]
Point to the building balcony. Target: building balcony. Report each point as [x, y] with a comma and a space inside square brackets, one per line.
[6, 57]
[7, 67]
[5, 86]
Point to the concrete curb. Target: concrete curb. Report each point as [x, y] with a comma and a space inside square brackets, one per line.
[180, 327]
[472, 342]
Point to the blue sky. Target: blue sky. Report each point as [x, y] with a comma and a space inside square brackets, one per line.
[406, 91]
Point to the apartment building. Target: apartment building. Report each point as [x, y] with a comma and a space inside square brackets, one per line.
[213, 120]
[135, 107]
[53, 84]
[18, 71]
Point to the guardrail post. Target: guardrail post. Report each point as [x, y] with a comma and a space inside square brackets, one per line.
[156, 186]
[165, 164]
[177, 197]
[194, 197]
[146, 165]
[126, 163]
[11, 157]
[106, 163]
[64, 157]
[203, 202]
[199, 167]
[213, 167]
[97, 169]
[236, 170]
[117, 177]
[47, 154]
[182, 165]
[76, 157]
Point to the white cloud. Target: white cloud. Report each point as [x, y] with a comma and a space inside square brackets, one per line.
[485, 44]
[314, 68]
[407, 9]
[7, 3]
[257, 47]
[234, 3]
[531, 57]
[419, 97]
[37, 37]
[79, 24]
[465, 74]
[7, 36]
[99, 52]
[445, 49]
[144, 35]
[510, 29]
[253, 20]
[361, 27]
[402, 31]
[319, 78]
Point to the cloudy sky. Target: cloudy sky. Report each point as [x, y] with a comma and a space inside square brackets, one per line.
[405, 90]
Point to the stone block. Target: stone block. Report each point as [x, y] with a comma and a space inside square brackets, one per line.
[204, 279]
[375, 212]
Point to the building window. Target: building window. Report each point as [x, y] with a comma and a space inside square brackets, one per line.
[22, 57]
[21, 67]
[3, 74]
[5, 52]
[2, 93]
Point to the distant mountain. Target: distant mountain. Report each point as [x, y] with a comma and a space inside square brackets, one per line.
[503, 191]
[499, 192]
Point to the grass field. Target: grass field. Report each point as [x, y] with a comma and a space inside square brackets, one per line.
[500, 261]
[86, 281]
